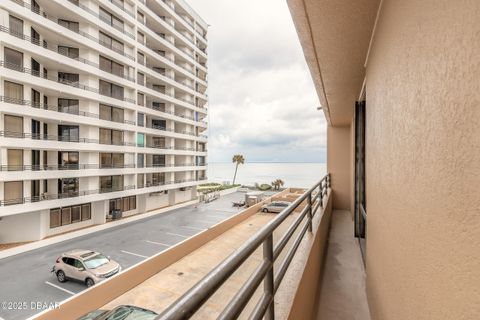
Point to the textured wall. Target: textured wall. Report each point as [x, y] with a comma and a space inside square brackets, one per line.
[339, 159]
[423, 161]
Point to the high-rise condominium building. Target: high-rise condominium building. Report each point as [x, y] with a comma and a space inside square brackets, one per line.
[102, 109]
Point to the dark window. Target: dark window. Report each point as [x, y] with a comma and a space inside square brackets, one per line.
[111, 19]
[56, 221]
[111, 66]
[109, 136]
[35, 67]
[35, 190]
[68, 105]
[68, 186]
[86, 212]
[140, 99]
[16, 26]
[140, 78]
[35, 129]
[110, 42]
[111, 183]
[111, 113]
[140, 160]
[76, 214]
[111, 90]
[35, 36]
[70, 52]
[13, 58]
[68, 133]
[68, 78]
[159, 124]
[68, 160]
[72, 25]
[35, 159]
[140, 119]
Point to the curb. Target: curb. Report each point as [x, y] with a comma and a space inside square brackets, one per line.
[74, 234]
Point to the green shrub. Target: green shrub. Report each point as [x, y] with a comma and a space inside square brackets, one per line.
[264, 187]
[215, 187]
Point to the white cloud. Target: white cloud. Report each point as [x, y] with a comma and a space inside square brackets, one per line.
[262, 99]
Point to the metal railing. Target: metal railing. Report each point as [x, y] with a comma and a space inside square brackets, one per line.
[60, 80]
[61, 167]
[56, 196]
[193, 299]
[86, 35]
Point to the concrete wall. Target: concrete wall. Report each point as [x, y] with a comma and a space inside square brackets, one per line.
[339, 159]
[422, 161]
[29, 222]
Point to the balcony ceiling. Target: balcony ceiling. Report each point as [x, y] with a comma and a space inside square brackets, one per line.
[335, 37]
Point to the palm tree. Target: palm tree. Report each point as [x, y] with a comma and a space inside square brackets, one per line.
[238, 159]
[277, 184]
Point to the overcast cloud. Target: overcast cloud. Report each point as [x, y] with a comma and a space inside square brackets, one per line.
[262, 102]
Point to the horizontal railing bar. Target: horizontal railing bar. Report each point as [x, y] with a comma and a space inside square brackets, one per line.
[291, 230]
[193, 299]
[261, 307]
[242, 297]
[286, 262]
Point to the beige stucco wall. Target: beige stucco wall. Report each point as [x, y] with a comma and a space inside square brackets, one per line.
[423, 161]
[339, 159]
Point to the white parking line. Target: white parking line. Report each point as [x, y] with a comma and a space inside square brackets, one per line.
[60, 288]
[159, 243]
[134, 254]
[176, 234]
[194, 228]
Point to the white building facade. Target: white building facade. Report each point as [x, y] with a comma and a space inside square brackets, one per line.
[102, 110]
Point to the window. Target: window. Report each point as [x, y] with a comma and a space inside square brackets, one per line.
[86, 214]
[123, 204]
[15, 159]
[111, 66]
[140, 180]
[70, 52]
[140, 99]
[140, 119]
[16, 26]
[109, 136]
[68, 105]
[68, 186]
[159, 124]
[68, 159]
[68, 133]
[13, 192]
[111, 160]
[158, 160]
[110, 42]
[35, 67]
[35, 98]
[140, 37]
[13, 126]
[140, 17]
[55, 218]
[13, 58]
[158, 106]
[140, 139]
[35, 36]
[111, 183]
[158, 178]
[68, 215]
[68, 78]
[76, 214]
[141, 58]
[111, 90]
[158, 88]
[111, 113]
[118, 3]
[158, 142]
[140, 78]
[13, 91]
[140, 160]
[35, 129]
[111, 19]
[71, 25]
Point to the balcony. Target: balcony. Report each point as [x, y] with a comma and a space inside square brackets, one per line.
[224, 273]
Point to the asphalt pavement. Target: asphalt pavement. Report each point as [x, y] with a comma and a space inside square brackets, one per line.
[27, 286]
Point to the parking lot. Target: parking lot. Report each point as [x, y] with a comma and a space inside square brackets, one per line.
[27, 285]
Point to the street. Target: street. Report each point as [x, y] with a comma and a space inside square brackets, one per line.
[27, 285]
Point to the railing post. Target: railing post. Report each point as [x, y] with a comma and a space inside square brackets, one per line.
[320, 198]
[268, 282]
[310, 213]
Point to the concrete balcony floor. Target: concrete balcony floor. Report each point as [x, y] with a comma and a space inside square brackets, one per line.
[342, 294]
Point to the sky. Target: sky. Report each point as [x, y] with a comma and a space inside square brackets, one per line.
[262, 101]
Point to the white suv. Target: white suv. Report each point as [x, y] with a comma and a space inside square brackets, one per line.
[86, 266]
[275, 206]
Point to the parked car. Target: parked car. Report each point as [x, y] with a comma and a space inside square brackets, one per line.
[87, 266]
[275, 206]
[120, 313]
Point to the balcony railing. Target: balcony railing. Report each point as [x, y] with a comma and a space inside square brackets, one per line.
[61, 167]
[43, 75]
[193, 299]
[86, 35]
[48, 137]
[56, 196]
[70, 110]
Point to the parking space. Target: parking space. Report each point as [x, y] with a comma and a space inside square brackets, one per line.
[26, 277]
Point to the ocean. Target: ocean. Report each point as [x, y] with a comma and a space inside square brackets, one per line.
[301, 175]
